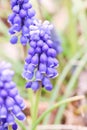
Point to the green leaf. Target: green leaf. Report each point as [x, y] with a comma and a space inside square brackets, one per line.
[61, 78]
[70, 86]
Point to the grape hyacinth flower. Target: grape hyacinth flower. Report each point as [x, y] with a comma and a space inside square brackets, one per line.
[20, 20]
[40, 64]
[11, 104]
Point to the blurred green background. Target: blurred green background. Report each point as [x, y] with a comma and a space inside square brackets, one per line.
[70, 20]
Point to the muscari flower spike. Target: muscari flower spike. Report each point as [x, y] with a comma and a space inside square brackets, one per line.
[20, 20]
[40, 64]
[11, 103]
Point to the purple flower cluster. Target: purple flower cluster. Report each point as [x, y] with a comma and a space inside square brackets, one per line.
[40, 63]
[11, 104]
[20, 20]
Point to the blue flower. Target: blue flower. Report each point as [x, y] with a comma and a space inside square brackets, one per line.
[20, 20]
[40, 64]
[11, 103]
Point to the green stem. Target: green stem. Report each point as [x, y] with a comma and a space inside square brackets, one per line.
[75, 98]
[4, 29]
[25, 51]
[35, 107]
[9, 127]
[83, 21]
[22, 126]
[31, 96]
[72, 34]
[40, 10]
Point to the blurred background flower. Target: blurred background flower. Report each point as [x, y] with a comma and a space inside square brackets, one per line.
[11, 103]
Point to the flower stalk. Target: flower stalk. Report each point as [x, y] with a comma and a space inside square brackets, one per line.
[35, 107]
[9, 127]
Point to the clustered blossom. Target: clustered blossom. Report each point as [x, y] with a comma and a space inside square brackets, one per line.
[40, 65]
[20, 20]
[22, 17]
[11, 104]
